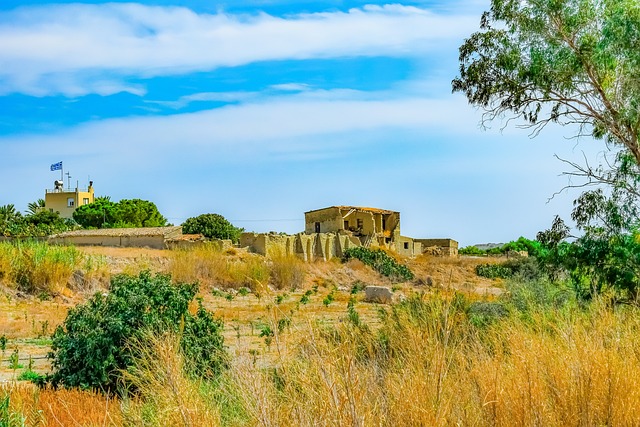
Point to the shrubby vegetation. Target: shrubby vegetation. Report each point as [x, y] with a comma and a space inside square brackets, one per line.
[95, 346]
[36, 223]
[380, 261]
[212, 226]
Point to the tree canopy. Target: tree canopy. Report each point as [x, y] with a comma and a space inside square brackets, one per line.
[213, 226]
[103, 213]
[565, 61]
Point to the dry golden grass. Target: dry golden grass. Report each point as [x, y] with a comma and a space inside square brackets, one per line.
[210, 266]
[62, 407]
[166, 397]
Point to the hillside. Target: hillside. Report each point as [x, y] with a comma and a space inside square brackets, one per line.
[27, 321]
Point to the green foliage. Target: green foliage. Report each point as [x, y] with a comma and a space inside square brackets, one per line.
[472, 251]
[29, 375]
[213, 226]
[524, 267]
[9, 216]
[35, 207]
[380, 261]
[91, 349]
[3, 343]
[137, 213]
[571, 62]
[98, 214]
[484, 313]
[103, 213]
[9, 418]
[493, 271]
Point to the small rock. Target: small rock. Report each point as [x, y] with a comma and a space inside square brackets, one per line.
[379, 294]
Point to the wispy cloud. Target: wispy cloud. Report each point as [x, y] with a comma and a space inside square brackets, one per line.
[77, 49]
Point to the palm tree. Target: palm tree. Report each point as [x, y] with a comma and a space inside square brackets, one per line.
[8, 215]
[34, 207]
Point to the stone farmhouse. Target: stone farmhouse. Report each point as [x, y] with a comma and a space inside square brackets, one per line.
[330, 231]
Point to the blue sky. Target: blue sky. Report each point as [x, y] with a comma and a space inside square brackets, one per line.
[261, 110]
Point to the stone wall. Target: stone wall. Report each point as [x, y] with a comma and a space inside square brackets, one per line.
[309, 247]
[447, 247]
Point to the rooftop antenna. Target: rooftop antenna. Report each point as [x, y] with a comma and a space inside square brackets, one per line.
[68, 180]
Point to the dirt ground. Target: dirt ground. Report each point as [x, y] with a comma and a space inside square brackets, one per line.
[27, 322]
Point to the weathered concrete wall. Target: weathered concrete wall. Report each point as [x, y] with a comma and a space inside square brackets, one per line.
[329, 220]
[404, 246]
[309, 247]
[154, 242]
[447, 247]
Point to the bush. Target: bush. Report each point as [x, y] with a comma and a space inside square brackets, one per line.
[92, 348]
[213, 226]
[493, 271]
[380, 261]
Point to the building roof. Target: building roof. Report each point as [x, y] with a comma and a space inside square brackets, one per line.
[357, 208]
[122, 232]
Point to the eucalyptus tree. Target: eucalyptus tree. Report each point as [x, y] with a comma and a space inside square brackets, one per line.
[571, 62]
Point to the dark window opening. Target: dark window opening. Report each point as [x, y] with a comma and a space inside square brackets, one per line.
[346, 225]
[317, 227]
[384, 224]
[406, 245]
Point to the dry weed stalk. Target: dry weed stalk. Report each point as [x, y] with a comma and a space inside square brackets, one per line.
[159, 379]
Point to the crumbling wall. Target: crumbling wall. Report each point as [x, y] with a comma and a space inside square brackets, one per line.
[447, 247]
[329, 219]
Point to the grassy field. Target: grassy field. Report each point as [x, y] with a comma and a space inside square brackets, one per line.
[454, 352]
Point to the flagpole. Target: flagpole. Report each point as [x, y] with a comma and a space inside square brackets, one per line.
[62, 175]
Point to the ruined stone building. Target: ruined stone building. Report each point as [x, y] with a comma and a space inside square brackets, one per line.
[330, 231]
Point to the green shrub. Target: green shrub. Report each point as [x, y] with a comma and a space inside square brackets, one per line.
[493, 271]
[92, 348]
[380, 261]
[483, 313]
[213, 226]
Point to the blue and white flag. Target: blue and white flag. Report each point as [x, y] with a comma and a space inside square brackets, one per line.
[56, 166]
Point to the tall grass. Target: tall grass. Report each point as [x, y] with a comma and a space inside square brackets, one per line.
[287, 271]
[42, 269]
[536, 361]
[31, 407]
[166, 397]
[429, 365]
[212, 266]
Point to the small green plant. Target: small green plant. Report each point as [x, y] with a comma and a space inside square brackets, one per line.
[14, 360]
[244, 291]
[229, 296]
[352, 314]
[280, 298]
[29, 375]
[306, 297]
[328, 299]
[358, 286]
[3, 343]
[283, 323]
[267, 333]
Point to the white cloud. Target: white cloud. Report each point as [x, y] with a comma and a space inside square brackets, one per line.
[75, 49]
